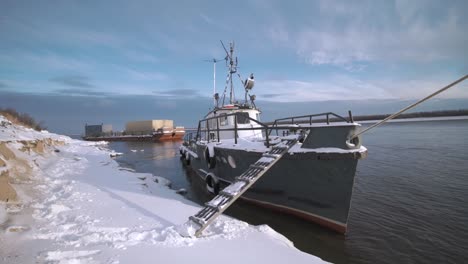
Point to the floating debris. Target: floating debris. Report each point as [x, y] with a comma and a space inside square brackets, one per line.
[17, 229]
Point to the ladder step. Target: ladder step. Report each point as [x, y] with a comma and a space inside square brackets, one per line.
[197, 220]
[257, 166]
[218, 202]
[269, 155]
[243, 178]
[247, 179]
[266, 159]
[252, 172]
[276, 151]
[280, 147]
[206, 213]
[234, 189]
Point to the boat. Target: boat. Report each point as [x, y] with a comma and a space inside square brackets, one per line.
[312, 180]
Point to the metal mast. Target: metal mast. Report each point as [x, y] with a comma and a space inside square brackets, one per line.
[214, 76]
[232, 69]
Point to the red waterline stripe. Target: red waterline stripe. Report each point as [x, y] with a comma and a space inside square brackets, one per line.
[328, 223]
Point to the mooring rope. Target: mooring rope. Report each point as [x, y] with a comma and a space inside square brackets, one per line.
[411, 106]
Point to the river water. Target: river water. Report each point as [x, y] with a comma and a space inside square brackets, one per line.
[410, 199]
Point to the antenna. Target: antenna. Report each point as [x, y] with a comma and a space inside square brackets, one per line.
[232, 66]
[225, 50]
[232, 69]
[214, 75]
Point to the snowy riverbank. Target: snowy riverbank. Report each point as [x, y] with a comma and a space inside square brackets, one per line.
[74, 204]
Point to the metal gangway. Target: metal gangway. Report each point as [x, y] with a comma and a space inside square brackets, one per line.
[242, 183]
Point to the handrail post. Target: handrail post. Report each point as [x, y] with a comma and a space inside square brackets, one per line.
[310, 120]
[328, 120]
[217, 128]
[198, 131]
[266, 135]
[235, 128]
[351, 120]
[208, 128]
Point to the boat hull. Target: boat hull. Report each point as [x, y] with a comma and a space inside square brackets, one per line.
[311, 185]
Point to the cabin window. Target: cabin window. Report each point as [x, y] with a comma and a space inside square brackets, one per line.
[243, 118]
[223, 120]
[212, 123]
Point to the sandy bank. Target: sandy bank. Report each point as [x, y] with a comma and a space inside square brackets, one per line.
[15, 169]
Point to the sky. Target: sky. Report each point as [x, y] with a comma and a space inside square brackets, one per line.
[74, 62]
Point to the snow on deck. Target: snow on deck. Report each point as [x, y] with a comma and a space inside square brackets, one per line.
[321, 124]
[90, 211]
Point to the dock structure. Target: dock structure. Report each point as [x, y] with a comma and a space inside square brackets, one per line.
[147, 127]
[98, 130]
[146, 130]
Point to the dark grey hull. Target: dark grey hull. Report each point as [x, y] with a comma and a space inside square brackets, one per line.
[312, 185]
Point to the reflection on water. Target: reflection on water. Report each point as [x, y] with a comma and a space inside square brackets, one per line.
[409, 200]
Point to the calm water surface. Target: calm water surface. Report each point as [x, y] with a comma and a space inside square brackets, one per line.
[410, 199]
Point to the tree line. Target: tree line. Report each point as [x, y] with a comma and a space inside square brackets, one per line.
[22, 119]
[444, 113]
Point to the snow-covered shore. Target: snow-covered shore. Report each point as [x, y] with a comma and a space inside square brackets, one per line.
[74, 204]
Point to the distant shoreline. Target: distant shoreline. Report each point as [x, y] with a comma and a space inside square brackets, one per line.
[416, 119]
[431, 114]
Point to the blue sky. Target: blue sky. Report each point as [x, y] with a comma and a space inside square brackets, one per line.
[299, 51]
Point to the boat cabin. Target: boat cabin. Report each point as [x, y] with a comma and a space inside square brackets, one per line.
[232, 119]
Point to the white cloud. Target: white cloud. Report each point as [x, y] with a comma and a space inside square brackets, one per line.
[207, 19]
[339, 88]
[345, 33]
[422, 87]
[279, 34]
[141, 56]
[332, 48]
[46, 61]
[343, 87]
[146, 76]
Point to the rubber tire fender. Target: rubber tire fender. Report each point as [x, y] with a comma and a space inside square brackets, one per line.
[210, 161]
[212, 184]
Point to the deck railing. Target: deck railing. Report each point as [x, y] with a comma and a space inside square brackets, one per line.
[205, 132]
[308, 119]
